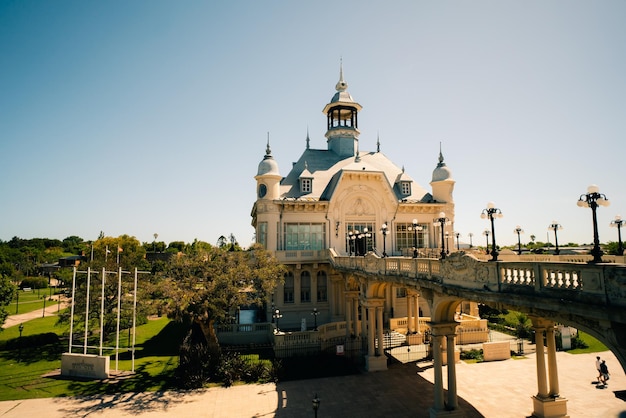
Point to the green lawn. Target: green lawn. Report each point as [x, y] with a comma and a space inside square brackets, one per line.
[23, 369]
[31, 301]
[595, 346]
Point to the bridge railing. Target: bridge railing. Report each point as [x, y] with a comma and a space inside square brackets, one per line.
[599, 284]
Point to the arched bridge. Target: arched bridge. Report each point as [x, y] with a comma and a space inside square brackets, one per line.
[589, 297]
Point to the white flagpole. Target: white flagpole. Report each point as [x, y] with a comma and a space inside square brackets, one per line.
[72, 309]
[87, 310]
[102, 311]
[134, 323]
[119, 303]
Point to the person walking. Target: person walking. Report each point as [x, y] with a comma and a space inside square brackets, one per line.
[605, 372]
[598, 362]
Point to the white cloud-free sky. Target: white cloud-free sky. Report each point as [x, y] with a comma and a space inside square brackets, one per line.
[151, 117]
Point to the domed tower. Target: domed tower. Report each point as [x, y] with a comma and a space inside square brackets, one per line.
[342, 119]
[268, 177]
[442, 183]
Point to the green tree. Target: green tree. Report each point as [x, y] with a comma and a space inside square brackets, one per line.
[207, 286]
[7, 291]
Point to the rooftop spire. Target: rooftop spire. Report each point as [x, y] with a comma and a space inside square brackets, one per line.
[307, 138]
[268, 150]
[377, 142]
[440, 155]
[341, 84]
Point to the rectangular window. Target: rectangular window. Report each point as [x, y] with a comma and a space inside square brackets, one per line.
[322, 287]
[400, 292]
[305, 185]
[305, 287]
[360, 238]
[288, 288]
[261, 234]
[406, 236]
[406, 188]
[304, 236]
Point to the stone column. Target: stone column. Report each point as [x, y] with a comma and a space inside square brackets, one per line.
[552, 369]
[348, 316]
[363, 321]
[452, 396]
[417, 313]
[409, 314]
[437, 365]
[371, 329]
[355, 305]
[541, 363]
[381, 342]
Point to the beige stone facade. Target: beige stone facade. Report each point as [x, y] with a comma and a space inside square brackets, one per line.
[354, 202]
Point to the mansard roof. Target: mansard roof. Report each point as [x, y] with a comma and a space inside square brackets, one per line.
[325, 167]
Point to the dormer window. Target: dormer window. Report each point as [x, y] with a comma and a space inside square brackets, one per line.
[306, 180]
[306, 185]
[405, 187]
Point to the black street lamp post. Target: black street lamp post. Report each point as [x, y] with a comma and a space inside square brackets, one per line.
[617, 223]
[592, 199]
[416, 227]
[384, 230]
[555, 226]
[277, 315]
[470, 235]
[492, 212]
[442, 220]
[447, 243]
[19, 352]
[351, 238]
[316, 404]
[362, 244]
[458, 245]
[315, 313]
[518, 230]
[486, 234]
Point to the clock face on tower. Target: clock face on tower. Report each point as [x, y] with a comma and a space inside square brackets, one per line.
[262, 190]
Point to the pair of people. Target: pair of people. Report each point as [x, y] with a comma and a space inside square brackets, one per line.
[603, 371]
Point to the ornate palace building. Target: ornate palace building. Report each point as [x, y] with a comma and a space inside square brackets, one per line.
[352, 202]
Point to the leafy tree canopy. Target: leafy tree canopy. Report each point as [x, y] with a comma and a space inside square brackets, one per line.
[207, 285]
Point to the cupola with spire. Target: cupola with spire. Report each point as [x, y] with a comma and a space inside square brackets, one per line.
[342, 120]
[442, 182]
[268, 176]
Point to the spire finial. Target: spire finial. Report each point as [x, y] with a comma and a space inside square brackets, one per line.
[377, 141]
[268, 151]
[440, 154]
[307, 137]
[341, 84]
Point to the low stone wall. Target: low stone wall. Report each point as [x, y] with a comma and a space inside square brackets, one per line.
[88, 366]
[499, 350]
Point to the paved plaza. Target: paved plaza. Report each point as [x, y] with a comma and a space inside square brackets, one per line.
[500, 389]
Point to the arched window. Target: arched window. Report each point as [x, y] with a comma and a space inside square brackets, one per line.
[322, 286]
[305, 286]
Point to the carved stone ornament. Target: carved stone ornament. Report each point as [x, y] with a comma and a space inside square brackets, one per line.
[461, 267]
[360, 207]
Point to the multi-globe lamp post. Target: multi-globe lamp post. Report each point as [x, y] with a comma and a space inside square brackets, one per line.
[442, 220]
[486, 234]
[555, 226]
[491, 212]
[518, 230]
[617, 223]
[384, 230]
[415, 228]
[592, 199]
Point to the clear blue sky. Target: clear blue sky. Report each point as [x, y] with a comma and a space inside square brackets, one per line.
[148, 117]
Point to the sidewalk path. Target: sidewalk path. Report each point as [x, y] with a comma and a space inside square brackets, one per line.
[501, 389]
[51, 310]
